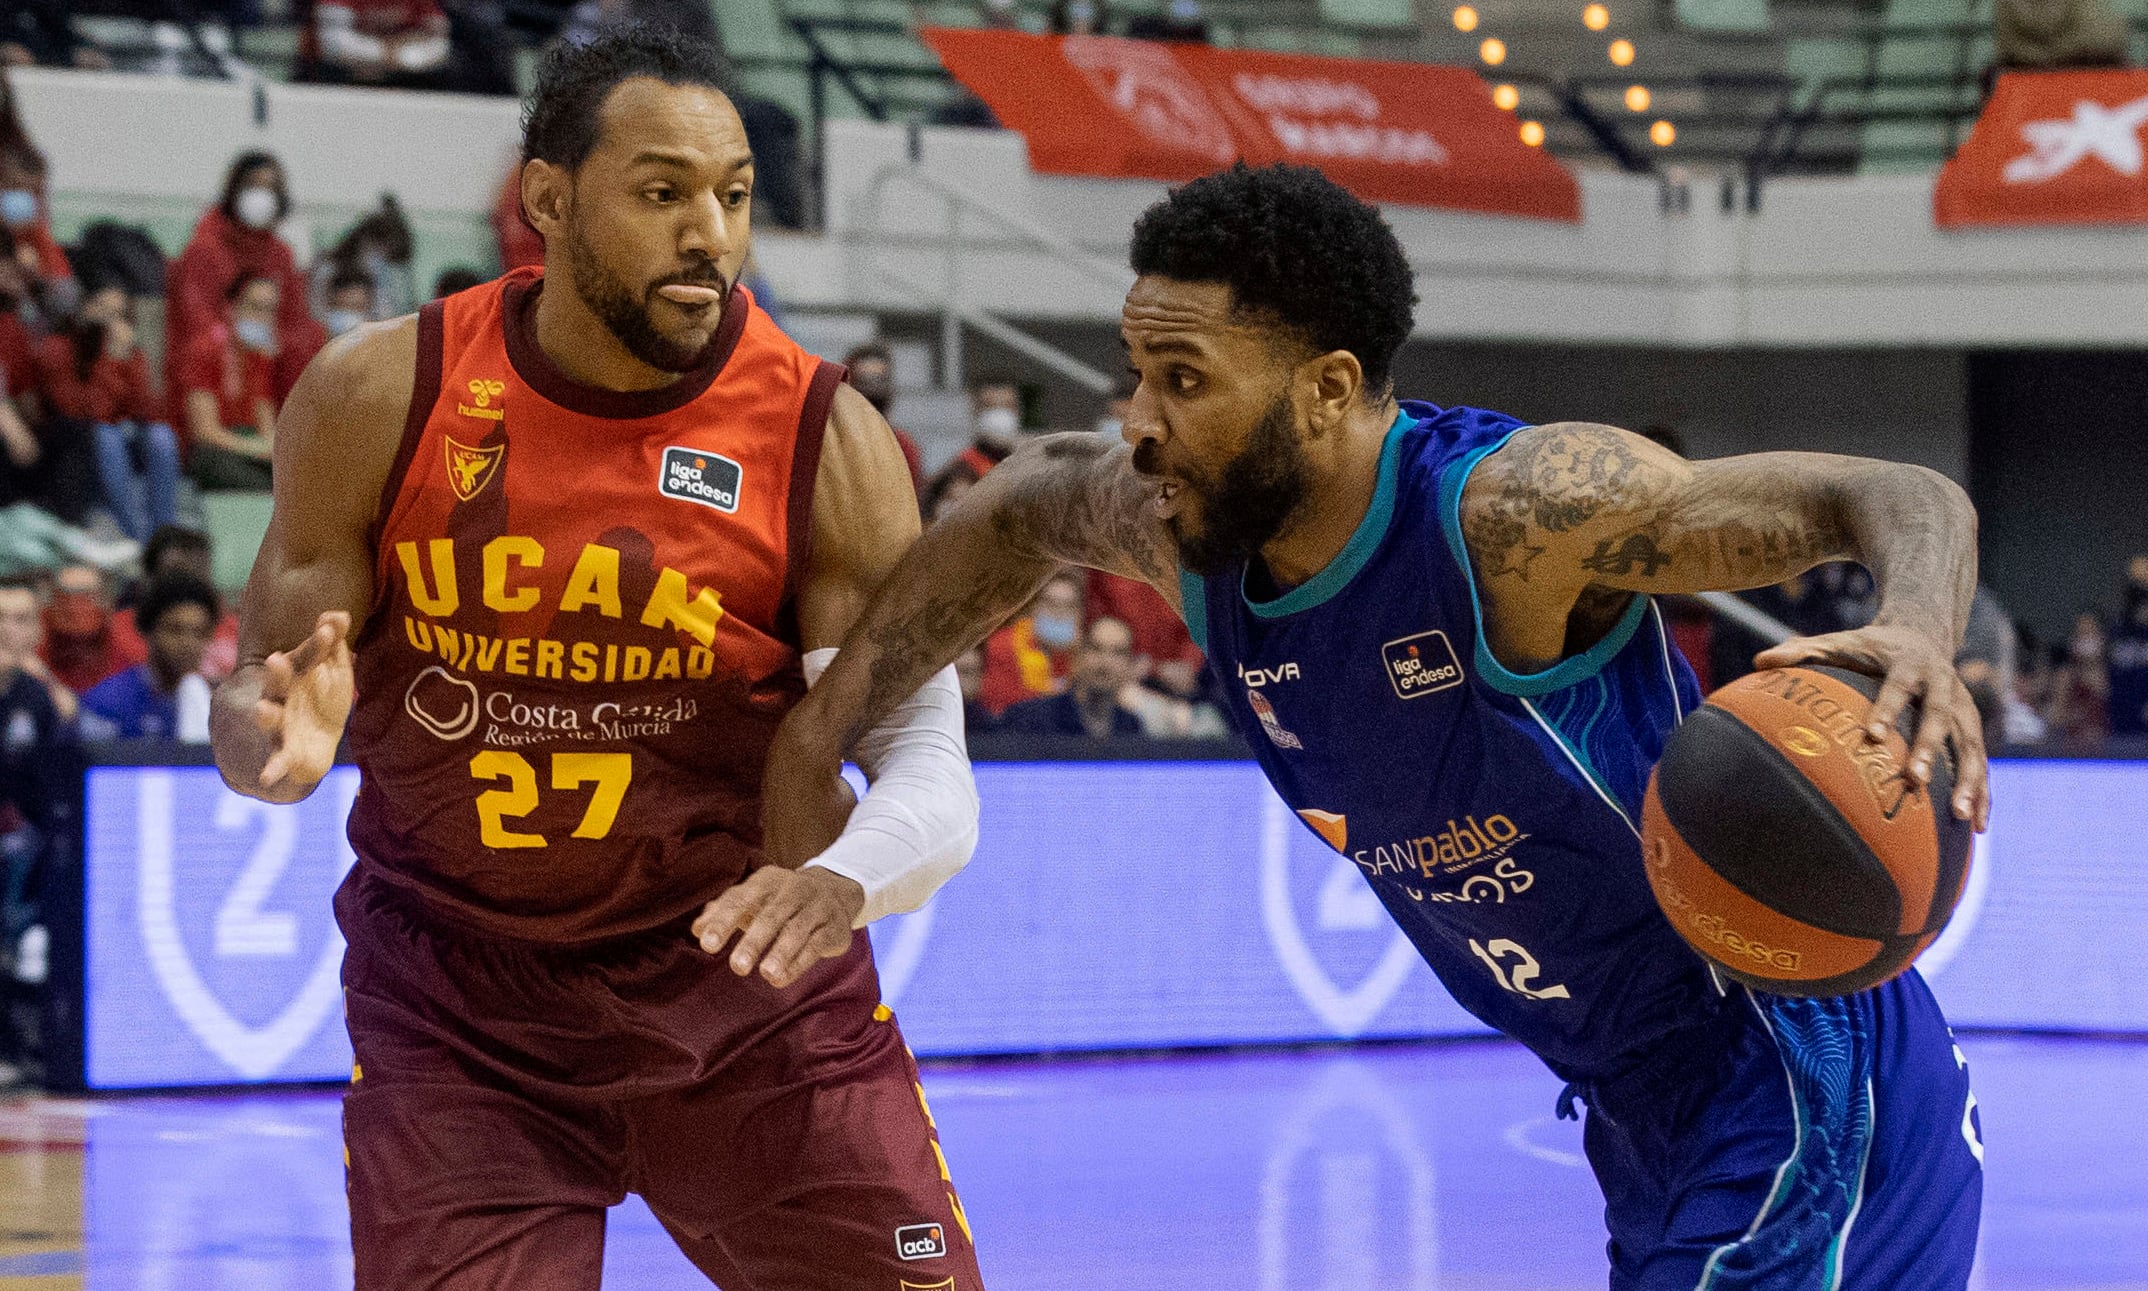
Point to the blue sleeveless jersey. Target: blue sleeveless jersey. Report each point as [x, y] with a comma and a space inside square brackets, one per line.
[1495, 814]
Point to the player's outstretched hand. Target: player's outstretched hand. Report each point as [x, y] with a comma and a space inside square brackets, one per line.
[786, 921]
[1914, 667]
[305, 697]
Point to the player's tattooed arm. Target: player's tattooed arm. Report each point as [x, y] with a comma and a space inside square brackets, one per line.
[1566, 520]
[1070, 499]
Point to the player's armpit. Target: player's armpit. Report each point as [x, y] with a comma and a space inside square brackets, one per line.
[336, 441]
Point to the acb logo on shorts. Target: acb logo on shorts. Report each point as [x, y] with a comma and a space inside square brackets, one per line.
[921, 1241]
[696, 476]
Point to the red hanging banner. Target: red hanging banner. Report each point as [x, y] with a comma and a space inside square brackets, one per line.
[2051, 148]
[1408, 133]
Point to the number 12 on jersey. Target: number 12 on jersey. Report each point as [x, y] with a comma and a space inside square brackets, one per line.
[1516, 969]
[609, 772]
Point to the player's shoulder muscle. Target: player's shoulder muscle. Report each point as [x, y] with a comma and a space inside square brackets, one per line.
[337, 435]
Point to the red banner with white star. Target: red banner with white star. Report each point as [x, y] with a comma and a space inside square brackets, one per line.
[1410, 133]
[2051, 148]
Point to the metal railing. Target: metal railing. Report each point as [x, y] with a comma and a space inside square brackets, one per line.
[1759, 124]
[948, 301]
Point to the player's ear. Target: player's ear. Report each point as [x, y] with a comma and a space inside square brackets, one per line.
[544, 196]
[1333, 384]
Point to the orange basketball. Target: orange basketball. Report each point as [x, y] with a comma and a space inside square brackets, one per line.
[1788, 848]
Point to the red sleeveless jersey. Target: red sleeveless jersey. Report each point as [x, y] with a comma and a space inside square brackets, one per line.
[583, 635]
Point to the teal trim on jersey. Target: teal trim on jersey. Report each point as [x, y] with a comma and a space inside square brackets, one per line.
[1338, 572]
[1193, 607]
[1496, 674]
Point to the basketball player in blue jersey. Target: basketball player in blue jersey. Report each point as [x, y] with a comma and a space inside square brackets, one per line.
[1425, 616]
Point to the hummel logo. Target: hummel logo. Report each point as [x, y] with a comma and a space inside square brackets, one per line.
[2056, 145]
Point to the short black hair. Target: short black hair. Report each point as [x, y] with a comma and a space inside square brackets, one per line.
[993, 379]
[240, 165]
[170, 590]
[559, 124]
[170, 538]
[1295, 249]
[455, 278]
[350, 276]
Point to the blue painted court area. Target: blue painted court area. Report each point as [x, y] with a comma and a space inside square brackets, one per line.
[1404, 1168]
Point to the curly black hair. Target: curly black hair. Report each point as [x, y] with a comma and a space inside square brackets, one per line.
[559, 123]
[170, 590]
[1296, 250]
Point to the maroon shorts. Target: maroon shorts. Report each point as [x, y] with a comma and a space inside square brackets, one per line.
[507, 1092]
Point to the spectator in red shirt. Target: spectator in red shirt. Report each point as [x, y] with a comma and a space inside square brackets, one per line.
[95, 375]
[872, 374]
[1030, 656]
[225, 384]
[80, 647]
[18, 346]
[176, 550]
[399, 43]
[236, 239]
[28, 219]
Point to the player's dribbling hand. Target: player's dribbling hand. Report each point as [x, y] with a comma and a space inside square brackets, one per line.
[1914, 668]
[305, 698]
[786, 921]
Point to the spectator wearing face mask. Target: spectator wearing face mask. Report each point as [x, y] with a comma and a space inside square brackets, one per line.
[80, 648]
[95, 377]
[2079, 709]
[1030, 656]
[177, 550]
[225, 382]
[872, 374]
[1103, 667]
[236, 239]
[2129, 654]
[349, 300]
[377, 248]
[49, 276]
[164, 696]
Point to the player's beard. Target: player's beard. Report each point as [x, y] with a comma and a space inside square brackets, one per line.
[625, 313]
[1246, 504]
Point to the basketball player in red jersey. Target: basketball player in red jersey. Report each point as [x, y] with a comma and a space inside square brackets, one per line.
[584, 524]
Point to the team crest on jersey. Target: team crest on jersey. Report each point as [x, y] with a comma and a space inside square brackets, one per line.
[1265, 711]
[710, 479]
[483, 390]
[471, 469]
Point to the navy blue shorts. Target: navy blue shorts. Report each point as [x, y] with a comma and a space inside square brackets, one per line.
[1797, 1145]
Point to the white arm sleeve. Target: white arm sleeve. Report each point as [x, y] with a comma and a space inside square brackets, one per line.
[917, 824]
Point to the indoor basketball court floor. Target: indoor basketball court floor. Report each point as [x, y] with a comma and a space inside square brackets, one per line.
[1409, 1168]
